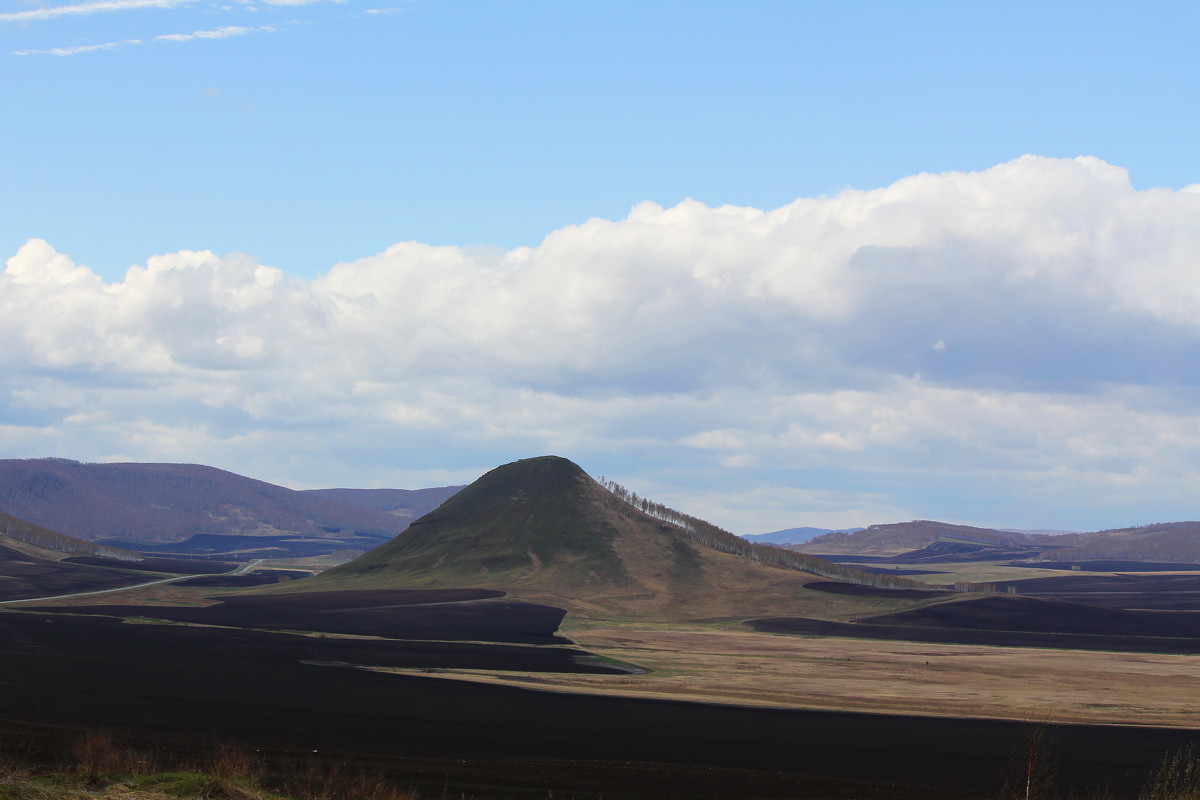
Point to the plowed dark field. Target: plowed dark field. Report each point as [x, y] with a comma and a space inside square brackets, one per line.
[802, 626]
[1035, 615]
[1158, 592]
[837, 587]
[1113, 566]
[1015, 621]
[178, 566]
[24, 576]
[450, 614]
[285, 692]
[260, 577]
[217, 545]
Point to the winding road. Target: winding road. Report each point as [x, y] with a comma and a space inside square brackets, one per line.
[241, 570]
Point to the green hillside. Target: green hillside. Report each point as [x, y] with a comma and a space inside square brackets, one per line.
[541, 529]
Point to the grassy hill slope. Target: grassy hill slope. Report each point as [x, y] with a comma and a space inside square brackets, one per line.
[541, 529]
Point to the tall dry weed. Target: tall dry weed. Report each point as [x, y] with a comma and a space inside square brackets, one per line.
[1177, 778]
[231, 765]
[97, 753]
[340, 782]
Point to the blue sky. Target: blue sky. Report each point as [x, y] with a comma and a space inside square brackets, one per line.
[920, 321]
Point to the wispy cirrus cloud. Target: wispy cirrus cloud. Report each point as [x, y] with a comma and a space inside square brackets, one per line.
[297, 2]
[76, 50]
[216, 33]
[85, 9]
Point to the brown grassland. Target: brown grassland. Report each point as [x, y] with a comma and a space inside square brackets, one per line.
[723, 662]
[758, 669]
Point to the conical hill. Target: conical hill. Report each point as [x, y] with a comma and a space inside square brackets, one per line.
[541, 529]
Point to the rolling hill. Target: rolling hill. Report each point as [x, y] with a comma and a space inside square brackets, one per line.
[1161, 542]
[142, 505]
[541, 529]
[36, 562]
[790, 536]
[45, 544]
[1164, 541]
[901, 537]
[407, 504]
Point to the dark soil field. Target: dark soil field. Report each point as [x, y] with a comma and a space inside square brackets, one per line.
[801, 626]
[1157, 592]
[213, 545]
[837, 587]
[1112, 566]
[1023, 621]
[894, 571]
[293, 693]
[24, 576]
[1035, 615]
[449, 614]
[848, 559]
[178, 566]
[959, 552]
[259, 577]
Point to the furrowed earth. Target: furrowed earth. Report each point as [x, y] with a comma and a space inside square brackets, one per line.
[333, 693]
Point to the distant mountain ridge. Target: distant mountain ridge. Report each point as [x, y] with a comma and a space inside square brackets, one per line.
[900, 537]
[407, 504]
[1160, 541]
[794, 535]
[157, 503]
[1164, 542]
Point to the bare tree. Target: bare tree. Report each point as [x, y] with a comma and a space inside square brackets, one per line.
[1033, 768]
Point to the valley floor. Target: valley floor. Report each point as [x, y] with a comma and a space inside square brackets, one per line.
[839, 674]
[300, 673]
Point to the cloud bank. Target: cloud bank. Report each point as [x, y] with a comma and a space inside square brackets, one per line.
[1020, 340]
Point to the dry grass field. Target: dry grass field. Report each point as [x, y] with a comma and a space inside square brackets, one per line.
[723, 662]
[747, 668]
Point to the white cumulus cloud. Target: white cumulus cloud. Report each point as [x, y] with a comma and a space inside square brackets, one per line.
[735, 344]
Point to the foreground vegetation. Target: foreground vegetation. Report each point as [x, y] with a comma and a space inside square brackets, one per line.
[98, 766]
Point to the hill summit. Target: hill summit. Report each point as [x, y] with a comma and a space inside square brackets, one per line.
[542, 529]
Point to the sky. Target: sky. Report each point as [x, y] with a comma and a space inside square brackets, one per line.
[775, 264]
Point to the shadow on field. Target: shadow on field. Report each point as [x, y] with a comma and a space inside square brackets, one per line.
[1013, 621]
[451, 614]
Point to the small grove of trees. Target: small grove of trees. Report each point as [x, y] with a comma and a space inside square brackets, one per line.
[35, 535]
[710, 535]
[1032, 772]
[1177, 778]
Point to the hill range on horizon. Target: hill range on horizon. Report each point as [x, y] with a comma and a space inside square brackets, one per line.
[189, 509]
[630, 601]
[196, 510]
[1163, 542]
[789, 536]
